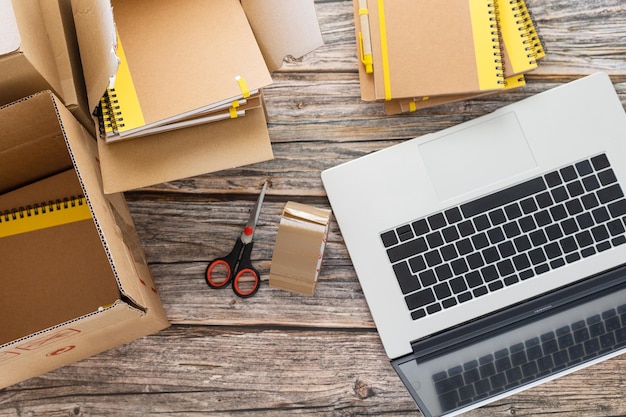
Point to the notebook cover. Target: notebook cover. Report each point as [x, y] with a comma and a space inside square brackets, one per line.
[421, 48]
[175, 71]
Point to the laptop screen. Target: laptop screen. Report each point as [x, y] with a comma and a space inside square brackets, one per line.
[550, 335]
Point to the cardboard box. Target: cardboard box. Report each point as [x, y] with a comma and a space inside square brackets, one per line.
[299, 248]
[192, 150]
[39, 51]
[70, 289]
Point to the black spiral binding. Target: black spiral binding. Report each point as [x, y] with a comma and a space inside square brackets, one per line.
[497, 41]
[526, 28]
[41, 208]
[111, 118]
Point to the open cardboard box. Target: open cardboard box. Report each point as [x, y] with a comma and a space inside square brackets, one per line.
[281, 27]
[69, 290]
[39, 51]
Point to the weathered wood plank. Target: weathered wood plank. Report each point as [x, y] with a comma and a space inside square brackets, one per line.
[249, 371]
[280, 353]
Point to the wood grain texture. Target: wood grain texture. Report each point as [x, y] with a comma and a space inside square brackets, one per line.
[279, 353]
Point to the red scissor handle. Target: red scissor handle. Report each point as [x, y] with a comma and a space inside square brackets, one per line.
[215, 280]
[253, 283]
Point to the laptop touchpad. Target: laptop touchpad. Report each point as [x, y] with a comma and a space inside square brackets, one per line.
[477, 156]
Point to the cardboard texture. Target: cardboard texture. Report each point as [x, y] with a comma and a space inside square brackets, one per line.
[283, 28]
[406, 35]
[39, 51]
[299, 248]
[411, 51]
[163, 83]
[70, 290]
[177, 154]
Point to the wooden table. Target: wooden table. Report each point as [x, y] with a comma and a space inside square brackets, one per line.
[279, 353]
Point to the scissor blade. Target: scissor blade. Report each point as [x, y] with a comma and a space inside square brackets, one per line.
[255, 212]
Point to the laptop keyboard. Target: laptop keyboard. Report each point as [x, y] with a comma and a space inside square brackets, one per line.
[510, 236]
[532, 359]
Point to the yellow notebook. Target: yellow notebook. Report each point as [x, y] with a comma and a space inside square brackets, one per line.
[519, 54]
[170, 75]
[421, 48]
[533, 35]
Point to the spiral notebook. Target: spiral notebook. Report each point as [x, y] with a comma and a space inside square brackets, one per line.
[518, 46]
[412, 43]
[174, 75]
[47, 233]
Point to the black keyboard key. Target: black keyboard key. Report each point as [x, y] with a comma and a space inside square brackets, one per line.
[615, 227]
[607, 177]
[434, 239]
[545, 363]
[553, 179]
[443, 272]
[591, 183]
[458, 285]
[408, 282]
[448, 252]
[537, 256]
[453, 215]
[554, 232]
[503, 197]
[480, 241]
[436, 221]
[427, 278]
[482, 222]
[528, 205]
[617, 208]
[538, 237]
[560, 358]
[544, 200]
[513, 211]
[449, 384]
[496, 285]
[600, 215]
[491, 255]
[407, 250]
[521, 262]
[417, 264]
[503, 364]
[433, 258]
[450, 234]
[489, 273]
[405, 233]
[607, 341]
[527, 224]
[506, 249]
[606, 195]
[559, 194]
[442, 291]
[600, 233]
[569, 226]
[529, 369]
[497, 217]
[592, 346]
[568, 173]
[589, 201]
[511, 230]
[514, 374]
[459, 266]
[568, 244]
[466, 228]
[584, 168]
[542, 218]
[420, 227]
[581, 335]
[585, 220]
[474, 279]
[574, 207]
[433, 308]
[522, 243]
[475, 261]
[495, 235]
[464, 246]
[420, 299]
[575, 189]
[600, 162]
[471, 376]
[389, 238]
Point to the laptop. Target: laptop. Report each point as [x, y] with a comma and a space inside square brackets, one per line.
[492, 254]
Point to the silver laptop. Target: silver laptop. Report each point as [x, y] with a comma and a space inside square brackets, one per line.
[490, 253]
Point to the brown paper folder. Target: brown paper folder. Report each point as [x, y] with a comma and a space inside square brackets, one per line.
[423, 48]
[177, 71]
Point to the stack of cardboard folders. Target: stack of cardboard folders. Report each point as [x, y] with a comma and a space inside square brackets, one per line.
[417, 53]
[173, 103]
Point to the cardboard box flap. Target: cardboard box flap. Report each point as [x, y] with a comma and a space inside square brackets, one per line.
[283, 28]
[45, 148]
[10, 39]
[116, 229]
[95, 29]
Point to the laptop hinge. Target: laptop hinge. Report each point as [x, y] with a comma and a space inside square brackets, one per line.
[515, 315]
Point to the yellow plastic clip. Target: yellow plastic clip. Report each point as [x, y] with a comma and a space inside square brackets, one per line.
[412, 106]
[365, 42]
[233, 112]
[245, 92]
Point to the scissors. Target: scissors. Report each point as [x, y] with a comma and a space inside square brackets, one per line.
[236, 266]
